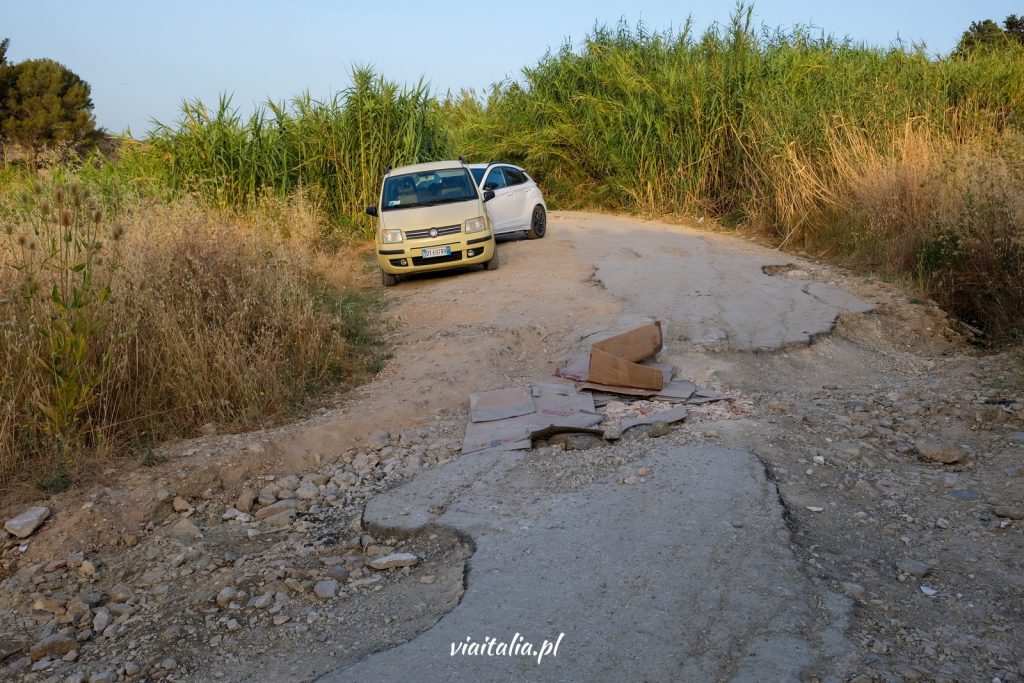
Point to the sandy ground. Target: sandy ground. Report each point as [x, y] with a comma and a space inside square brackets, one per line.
[841, 385]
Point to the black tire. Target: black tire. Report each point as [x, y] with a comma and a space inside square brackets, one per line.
[494, 262]
[387, 279]
[538, 223]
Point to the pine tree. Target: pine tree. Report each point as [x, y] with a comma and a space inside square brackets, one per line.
[46, 104]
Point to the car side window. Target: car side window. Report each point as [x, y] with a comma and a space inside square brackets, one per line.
[495, 180]
[514, 176]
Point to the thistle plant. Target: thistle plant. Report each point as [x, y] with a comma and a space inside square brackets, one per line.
[63, 283]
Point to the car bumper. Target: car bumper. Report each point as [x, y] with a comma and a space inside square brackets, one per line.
[390, 256]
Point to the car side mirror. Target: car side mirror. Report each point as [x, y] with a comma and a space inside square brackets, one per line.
[491, 186]
[371, 210]
[488, 195]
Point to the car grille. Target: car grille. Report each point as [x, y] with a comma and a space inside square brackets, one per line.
[420, 261]
[425, 234]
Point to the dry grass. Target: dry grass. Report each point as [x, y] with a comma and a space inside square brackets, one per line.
[945, 212]
[169, 317]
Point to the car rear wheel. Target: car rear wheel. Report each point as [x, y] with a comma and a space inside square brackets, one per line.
[387, 279]
[538, 223]
[493, 263]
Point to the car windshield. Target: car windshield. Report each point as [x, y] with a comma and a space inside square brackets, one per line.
[478, 174]
[428, 188]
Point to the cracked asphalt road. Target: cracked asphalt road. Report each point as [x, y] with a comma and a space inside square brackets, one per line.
[687, 575]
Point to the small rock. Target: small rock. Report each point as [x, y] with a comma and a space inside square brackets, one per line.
[245, 500]
[162, 495]
[942, 523]
[338, 573]
[280, 619]
[26, 523]
[122, 593]
[379, 440]
[427, 578]
[326, 589]
[394, 561]
[288, 483]
[233, 625]
[938, 451]
[225, 596]
[281, 519]
[180, 505]
[129, 540]
[263, 601]
[45, 604]
[1008, 512]
[185, 530]
[659, 429]
[379, 550]
[87, 568]
[276, 508]
[101, 620]
[121, 609]
[208, 429]
[108, 676]
[307, 491]
[913, 567]
[169, 664]
[53, 646]
[131, 669]
[93, 597]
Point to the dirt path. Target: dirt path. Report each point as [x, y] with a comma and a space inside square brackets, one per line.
[744, 581]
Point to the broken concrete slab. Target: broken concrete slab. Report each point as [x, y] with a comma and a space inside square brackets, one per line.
[675, 415]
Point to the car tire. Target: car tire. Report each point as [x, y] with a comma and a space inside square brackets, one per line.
[494, 262]
[387, 279]
[538, 223]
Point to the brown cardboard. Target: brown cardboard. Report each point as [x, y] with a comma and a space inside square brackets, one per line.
[615, 370]
[635, 345]
[500, 404]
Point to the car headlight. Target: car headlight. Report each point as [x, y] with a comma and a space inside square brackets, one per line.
[390, 236]
[477, 224]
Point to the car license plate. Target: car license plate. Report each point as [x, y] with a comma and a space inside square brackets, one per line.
[434, 252]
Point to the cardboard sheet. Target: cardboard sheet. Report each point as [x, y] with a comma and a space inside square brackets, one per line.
[612, 370]
[498, 405]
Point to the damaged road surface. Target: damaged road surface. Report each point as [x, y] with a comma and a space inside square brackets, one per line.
[657, 560]
[799, 474]
[685, 575]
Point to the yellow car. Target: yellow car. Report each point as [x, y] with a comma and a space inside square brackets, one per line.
[432, 217]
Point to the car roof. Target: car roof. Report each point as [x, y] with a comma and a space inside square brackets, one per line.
[494, 163]
[429, 166]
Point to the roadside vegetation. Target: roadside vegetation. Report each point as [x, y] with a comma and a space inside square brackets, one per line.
[208, 273]
[121, 331]
[888, 160]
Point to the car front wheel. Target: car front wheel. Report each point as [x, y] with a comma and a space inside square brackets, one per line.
[538, 223]
[387, 279]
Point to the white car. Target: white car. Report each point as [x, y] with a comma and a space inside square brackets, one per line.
[518, 203]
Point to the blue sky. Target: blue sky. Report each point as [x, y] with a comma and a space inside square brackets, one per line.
[142, 57]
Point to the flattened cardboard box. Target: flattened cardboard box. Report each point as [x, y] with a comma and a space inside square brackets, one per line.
[614, 362]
